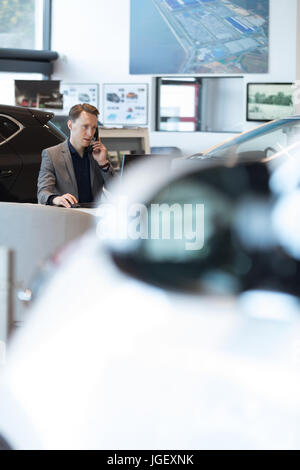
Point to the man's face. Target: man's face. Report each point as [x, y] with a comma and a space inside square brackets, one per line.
[83, 129]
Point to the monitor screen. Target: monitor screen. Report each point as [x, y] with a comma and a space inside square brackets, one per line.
[128, 160]
[268, 101]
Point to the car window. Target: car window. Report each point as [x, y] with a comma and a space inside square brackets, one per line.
[7, 128]
[272, 137]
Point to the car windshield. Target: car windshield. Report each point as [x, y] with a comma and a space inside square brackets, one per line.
[260, 142]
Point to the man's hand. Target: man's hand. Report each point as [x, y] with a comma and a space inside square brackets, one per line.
[66, 200]
[100, 153]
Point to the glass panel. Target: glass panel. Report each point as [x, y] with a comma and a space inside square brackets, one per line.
[200, 104]
[21, 24]
[174, 124]
[182, 95]
[178, 106]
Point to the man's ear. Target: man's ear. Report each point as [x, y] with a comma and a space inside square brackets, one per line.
[70, 124]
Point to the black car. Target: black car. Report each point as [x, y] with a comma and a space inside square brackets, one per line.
[24, 133]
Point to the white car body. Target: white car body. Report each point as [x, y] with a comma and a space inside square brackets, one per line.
[106, 361]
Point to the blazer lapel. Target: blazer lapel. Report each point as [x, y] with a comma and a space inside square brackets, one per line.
[69, 165]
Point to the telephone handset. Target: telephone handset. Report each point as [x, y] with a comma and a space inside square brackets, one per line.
[95, 138]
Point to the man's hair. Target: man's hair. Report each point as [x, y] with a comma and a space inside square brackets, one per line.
[76, 110]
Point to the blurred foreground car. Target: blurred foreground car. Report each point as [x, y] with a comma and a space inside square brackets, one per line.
[24, 133]
[174, 325]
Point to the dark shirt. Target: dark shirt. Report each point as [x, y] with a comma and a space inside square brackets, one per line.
[82, 174]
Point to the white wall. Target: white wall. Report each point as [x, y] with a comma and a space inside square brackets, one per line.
[7, 85]
[92, 38]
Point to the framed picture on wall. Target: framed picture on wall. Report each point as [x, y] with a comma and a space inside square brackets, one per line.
[269, 101]
[199, 37]
[125, 104]
[78, 93]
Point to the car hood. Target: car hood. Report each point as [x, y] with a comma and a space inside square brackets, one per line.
[27, 116]
[42, 116]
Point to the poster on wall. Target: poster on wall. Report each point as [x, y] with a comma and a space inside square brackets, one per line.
[199, 36]
[43, 94]
[269, 101]
[78, 93]
[125, 104]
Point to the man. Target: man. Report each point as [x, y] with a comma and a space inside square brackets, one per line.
[75, 171]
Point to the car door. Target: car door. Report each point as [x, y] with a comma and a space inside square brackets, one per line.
[29, 145]
[10, 162]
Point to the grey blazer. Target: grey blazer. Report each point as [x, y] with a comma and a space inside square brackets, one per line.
[57, 174]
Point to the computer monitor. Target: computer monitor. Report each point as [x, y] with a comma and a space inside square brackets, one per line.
[129, 160]
[268, 101]
[167, 150]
